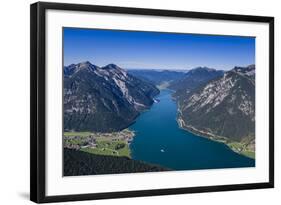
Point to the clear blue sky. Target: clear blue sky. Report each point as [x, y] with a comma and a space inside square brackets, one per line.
[154, 50]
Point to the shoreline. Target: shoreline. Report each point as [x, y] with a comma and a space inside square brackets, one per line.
[230, 144]
[90, 142]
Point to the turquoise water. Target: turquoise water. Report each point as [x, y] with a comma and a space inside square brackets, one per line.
[160, 141]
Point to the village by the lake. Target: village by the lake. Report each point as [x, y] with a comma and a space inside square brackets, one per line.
[114, 143]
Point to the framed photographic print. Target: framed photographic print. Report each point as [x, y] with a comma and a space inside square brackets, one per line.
[129, 102]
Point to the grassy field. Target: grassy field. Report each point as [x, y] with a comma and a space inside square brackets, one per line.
[109, 147]
[112, 144]
[241, 149]
[74, 141]
[249, 154]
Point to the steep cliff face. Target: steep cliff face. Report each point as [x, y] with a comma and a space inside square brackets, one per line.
[223, 108]
[103, 99]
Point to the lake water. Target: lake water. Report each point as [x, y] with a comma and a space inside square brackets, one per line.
[159, 140]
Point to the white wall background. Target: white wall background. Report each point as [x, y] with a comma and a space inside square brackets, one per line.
[14, 101]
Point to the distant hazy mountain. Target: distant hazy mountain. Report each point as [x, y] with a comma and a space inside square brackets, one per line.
[157, 77]
[103, 99]
[224, 107]
[193, 79]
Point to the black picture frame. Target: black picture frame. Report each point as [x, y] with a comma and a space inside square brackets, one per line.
[38, 101]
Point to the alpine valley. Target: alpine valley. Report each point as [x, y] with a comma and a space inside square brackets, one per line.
[112, 116]
[215, 104]
[99, 103]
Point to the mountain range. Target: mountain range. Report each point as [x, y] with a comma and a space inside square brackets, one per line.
[211, 103]
[103, 99]
[193, 79]
[157, 77]
[223, 108]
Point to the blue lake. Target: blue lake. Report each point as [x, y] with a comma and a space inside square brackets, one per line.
[159, 140]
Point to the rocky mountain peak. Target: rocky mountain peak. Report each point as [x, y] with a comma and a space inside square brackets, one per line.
[111, 66]
[244, 70]
[74, 68]
[91, 92]
[194, 78]
[248, 72]
[86, 65]
[203, 71]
